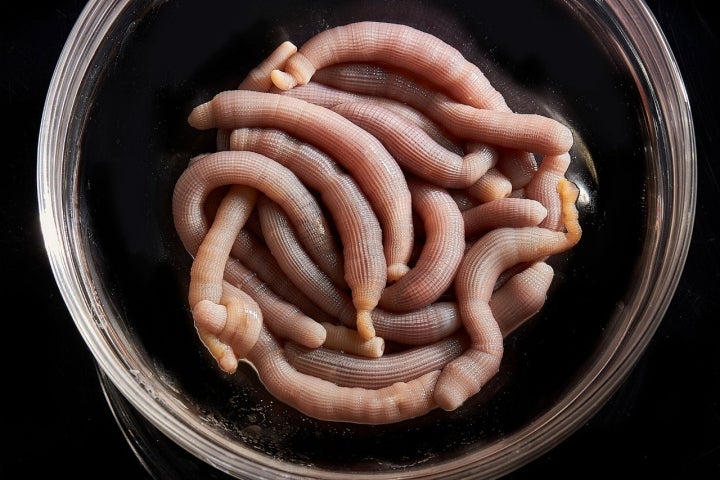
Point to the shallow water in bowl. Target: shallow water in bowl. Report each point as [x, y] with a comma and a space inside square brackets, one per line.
[136, 143]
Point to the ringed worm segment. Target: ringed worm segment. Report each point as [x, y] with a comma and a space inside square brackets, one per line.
[362, 154]
[400, 45]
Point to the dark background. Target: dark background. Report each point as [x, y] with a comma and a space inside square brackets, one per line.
[665, 419]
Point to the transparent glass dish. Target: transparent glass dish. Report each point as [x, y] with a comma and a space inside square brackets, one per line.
[114, 139]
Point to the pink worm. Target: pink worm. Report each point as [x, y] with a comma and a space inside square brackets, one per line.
[282, 318]
[324, 400]
[517, 131]
[418, 327]
[491, 186]
[399, 45]
[442, 252]
[415, 150]
[512, 304]
[356, 371]
[486, 260]
[206, 273]
[222, 323]
[543, 188]
[228, 320]
[258, 79]
[521, 297]
[357, 225]
[301, 270]
[218, 169]
[254, 254]
[230, 327]
[362, 154]
[503, 212]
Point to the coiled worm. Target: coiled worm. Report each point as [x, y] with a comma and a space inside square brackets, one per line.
[324, 400]
[521, 297]
[442, 251]
[258, 79]
[517, 131]
[502, 212]
[543, 188]
[494, 253]
[375, 170]
[355, 371]
[357, 225]
[398, 45]
[415, 150]
[283, 319]
[392, 119]
[227, 320]
[302, 271]
[254, 254]
[254, 170]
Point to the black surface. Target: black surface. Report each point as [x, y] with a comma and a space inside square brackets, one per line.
[664, 419]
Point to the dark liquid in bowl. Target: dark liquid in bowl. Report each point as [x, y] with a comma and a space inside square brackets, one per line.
[136, 143]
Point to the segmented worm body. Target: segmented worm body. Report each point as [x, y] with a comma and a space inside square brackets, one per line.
[258, 79]
[403, 47]
[415, 150]
[442, 252]
[526, 132]
[282, 318]
[373, 373]
[494, 253]
[444, 218]
[358, 228]
[325, 400]
[262, 173]
[358, 151]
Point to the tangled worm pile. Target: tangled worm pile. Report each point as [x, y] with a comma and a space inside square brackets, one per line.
[373, 223]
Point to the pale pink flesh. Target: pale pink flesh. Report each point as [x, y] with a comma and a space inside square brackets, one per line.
[500, 282]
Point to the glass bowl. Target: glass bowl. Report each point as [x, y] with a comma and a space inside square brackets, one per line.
[114, 139]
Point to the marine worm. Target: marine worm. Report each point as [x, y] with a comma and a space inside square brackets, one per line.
[504, 128]
[255, 255]
[518, 166]
[356, 371]
[521, 297]
[415, 150]
[442, 251]
[223, 316]
[518, 299]
[324, 400]
[503, 212]
[491, 186]
[302, 271]
[230, 328]
[543, 188]
[357, 224]
[258, 79]
[401, 46]
[348, 340]
[418, 327]
[235, 312]
[282, 318]
[495, 252]
[330, 97]
[375, 170]
[262, 173]
[206, 272]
